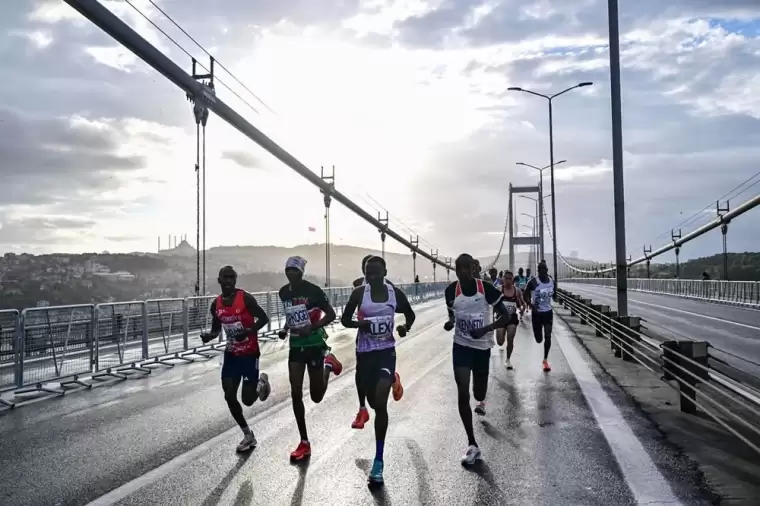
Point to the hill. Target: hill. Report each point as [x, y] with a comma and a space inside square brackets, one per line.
[741, 266]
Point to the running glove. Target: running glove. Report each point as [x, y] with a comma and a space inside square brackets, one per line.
[207, 336]
[282, 334]
[448, 325]
[402, 330]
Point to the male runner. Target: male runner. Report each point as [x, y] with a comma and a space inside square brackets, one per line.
[476, 269]
[495, 278]
[521, 282]
[237, 313]
[468, 302]
[362, 416]
[307, 312]
[539, 292]
[377, 303]
[513, 300]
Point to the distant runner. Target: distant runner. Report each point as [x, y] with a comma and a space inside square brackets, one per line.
[469, 302]
[307, 312]
[237, 313]
[376, 305]
[494, 277]
[513, 300]
[521, 282]
[539, 292]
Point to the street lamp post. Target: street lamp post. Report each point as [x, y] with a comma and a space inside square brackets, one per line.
[532, 256]
[550, 98]
[540, 201]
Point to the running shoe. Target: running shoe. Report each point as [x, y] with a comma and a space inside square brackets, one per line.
[376, 474]
[248, 443]
[509, 364]
[333, 363]
[302, 451]
[398, 388]
[362, 417]
[473, 453]
[264, 388]
[480, 409]
[546, 365]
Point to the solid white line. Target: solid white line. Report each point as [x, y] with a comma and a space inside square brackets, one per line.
[645, 481]
[661, 306]
[129, 488]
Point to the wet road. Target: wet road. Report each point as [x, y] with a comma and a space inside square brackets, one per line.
[168, 438]
[731, 329]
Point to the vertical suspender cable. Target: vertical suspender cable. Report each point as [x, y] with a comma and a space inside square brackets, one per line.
[198, 112]
[204, 120]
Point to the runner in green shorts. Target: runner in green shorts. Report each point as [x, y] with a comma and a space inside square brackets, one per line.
[307, 312]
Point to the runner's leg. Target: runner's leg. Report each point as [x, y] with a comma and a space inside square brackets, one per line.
[385, 377]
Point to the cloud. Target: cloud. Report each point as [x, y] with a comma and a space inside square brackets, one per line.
[408, 99]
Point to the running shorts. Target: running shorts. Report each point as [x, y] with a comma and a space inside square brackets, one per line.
[237, 366]
[470, 358]
[372, 366]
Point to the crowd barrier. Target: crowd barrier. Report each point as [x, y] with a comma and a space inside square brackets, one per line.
[62, 344]
[738, 293]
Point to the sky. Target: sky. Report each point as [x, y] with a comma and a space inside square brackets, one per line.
[407, 99]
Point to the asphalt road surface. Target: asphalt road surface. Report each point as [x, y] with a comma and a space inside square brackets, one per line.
[731, 329]
[568, 437]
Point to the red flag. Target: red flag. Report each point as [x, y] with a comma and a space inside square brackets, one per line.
[312, 229]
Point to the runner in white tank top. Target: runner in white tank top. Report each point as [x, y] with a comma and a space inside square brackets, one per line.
[377, 303]
[469, 302]
[540, 291]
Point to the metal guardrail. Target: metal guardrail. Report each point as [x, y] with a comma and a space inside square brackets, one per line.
[62, 344]
[738, 293]
[685, 366]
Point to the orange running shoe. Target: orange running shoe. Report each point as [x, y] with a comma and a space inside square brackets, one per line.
[547, 367]
[362, 417]
[398, 388]
[334, 363]
[302, 451]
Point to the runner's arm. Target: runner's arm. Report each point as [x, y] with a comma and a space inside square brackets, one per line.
[216, 323]
[403, 306]
[528, 290]
[494, 298]
[449, 295]
[261, 318]
[328, 313]
[347, 320]
[520, 299]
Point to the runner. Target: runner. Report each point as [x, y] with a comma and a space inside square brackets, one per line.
[513, 300]
[362, 416]
[377, 302]
[468, 301]
[237, 313]
[539, 292]
[476, 269]
[495, 278]
[521, 282]
[307, 312]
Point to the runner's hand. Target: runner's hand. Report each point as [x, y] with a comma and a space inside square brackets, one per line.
[402, 330]
[207, 336]
[448, 325]
[282, 334]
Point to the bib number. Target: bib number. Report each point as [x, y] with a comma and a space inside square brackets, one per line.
[470, 322]
[297, 316]
[381, 326]
[511, 307]
[232, 329]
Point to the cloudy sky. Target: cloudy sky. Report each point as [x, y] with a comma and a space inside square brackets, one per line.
[407, 98]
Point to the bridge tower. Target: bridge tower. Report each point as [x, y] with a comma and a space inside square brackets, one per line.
[521, 241]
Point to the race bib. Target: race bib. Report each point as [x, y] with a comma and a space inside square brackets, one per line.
[511, 307]
[381, 326]
[297, 316]
[468, 322]
[543, 296]
[232, 329]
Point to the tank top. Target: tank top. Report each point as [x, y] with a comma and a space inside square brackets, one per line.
[382, 316]
[234, 318]
[510, 302]
[469, 313]
[541, 298]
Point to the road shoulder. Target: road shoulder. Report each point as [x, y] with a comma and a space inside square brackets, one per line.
[729, 468]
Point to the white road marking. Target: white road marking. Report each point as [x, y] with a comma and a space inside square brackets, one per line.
[645, 481]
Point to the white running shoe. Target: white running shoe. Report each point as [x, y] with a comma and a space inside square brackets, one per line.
[509, 364]
[264, 388]
[480, 409]
[248, 443]
[473, 453]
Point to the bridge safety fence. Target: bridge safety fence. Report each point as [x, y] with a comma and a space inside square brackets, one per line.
[62, 344]
[727, 394]
[738, 293]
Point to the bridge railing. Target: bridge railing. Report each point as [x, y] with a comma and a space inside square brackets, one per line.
[728, 394]
[739, 293]
[61, 344]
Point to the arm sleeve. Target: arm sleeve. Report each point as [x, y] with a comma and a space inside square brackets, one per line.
[216, 323]
[449, 294]
[403, 306]
[493, 294]
[262, 318]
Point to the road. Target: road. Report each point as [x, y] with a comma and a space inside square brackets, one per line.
[732, 329]
[168, 438]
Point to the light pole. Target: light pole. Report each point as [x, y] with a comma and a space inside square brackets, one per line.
[532, 256]
[550, 98]
[540, 201]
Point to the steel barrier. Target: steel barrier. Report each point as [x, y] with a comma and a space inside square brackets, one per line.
[739, 293]
[685, 366]
[61, 344]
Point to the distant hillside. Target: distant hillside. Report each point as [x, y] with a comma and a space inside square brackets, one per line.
[741, 267]
[523, 260]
